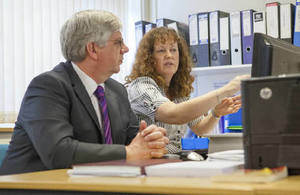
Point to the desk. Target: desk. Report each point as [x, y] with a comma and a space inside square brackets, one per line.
[58, 182]
[7, 127]
[288, 186]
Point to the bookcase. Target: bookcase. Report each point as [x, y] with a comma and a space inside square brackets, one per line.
[179, 10]
[210, 78]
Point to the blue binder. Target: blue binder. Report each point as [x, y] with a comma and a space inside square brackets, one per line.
[247, 35]
[297, 25]
[233, 122]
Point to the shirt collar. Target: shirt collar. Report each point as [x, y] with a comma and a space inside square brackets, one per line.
[89, 84]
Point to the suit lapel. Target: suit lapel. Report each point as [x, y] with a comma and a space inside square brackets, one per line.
[82, 94]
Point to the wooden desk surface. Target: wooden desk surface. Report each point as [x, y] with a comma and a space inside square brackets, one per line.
[7, 127]
[59, 180]
[288, 186]
[6, 130]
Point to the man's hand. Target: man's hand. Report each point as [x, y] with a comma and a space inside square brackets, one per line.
[150, 142]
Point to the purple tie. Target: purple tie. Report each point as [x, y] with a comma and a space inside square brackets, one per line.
[103, 106]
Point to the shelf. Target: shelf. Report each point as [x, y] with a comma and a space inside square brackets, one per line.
[222, 69]
[224, 135]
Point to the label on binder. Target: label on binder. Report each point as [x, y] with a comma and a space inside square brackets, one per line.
[203, 29]
[285, 21]
[224, 36]
[193, 29]
[247, 23]
[235, 22]
[213, 18]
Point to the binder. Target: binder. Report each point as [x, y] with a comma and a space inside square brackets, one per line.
[149, 26]
[219, 38]
[236, 38]
[194, 39]
[181, 28]
[273, 19]
[287, 14]
[203, 32]
[259, 22]
[296, 37]
[233, 122]
[163, 22]
[193, 29]
[247, 35]
[199, 39]
[139, 30]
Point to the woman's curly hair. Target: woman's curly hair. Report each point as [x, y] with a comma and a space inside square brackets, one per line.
[144, 65]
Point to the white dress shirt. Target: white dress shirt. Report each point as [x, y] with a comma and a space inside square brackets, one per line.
[90, 86]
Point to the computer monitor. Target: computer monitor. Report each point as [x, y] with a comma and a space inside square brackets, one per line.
[274, 57]
[271, 125]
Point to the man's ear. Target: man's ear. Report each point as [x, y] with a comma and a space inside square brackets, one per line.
[92, 50]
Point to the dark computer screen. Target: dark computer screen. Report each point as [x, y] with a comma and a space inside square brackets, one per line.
[271, 125]
[274, 56]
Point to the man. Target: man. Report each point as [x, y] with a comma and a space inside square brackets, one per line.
[64, 121]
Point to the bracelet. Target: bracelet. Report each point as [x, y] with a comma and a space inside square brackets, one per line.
[214, 114]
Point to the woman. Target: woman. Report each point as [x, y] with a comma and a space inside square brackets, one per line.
[160, 84]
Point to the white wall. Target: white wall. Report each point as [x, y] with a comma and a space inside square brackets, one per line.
[180, 9]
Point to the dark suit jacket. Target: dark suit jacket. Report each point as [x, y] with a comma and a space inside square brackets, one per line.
[57, 125]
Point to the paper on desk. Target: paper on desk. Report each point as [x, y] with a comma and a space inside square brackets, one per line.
[120, 168]
[193, 168]
[231, 155]
[110, 173]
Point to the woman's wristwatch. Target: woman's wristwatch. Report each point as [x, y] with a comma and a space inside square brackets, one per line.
[214, 114]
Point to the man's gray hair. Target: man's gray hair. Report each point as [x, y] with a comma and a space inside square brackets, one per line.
[84, 27]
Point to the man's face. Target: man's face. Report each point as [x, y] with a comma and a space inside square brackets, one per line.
[111, 55]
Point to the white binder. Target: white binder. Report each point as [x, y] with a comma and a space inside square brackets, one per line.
[235, 38]
[259, 22]
[287, 21]
[273, 19]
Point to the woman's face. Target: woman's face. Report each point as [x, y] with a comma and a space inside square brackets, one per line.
[166, 56]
